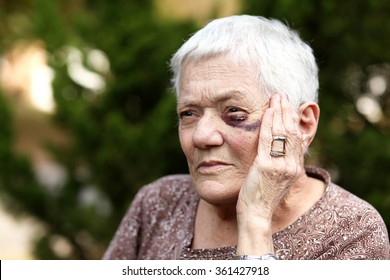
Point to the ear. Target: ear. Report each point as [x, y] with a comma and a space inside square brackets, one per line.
[309, 114]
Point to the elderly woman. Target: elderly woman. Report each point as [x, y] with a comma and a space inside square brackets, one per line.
[247, 102]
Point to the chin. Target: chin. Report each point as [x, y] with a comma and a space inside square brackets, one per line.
[217, 193]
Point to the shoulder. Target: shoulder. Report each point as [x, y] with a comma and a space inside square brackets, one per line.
[339, 199]
[150, 226]
[167, 188]
[359, 225]
[347, 227]
[347, 202]
[353, 208]
[164, 197]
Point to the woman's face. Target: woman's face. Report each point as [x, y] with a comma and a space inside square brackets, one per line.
[220, 109]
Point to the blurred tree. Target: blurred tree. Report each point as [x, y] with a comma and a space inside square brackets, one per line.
[351, 40]
[121, 122]
[15, 22]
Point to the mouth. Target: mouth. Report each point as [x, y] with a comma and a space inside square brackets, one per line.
[212, 167]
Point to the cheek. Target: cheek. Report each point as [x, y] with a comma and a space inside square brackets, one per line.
[185, 139]
[244, 146]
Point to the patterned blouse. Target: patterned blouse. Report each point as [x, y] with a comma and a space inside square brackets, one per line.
[160, 224]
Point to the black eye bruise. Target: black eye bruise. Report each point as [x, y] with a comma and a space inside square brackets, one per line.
[239, 121]
[235, 120]
[239, 118]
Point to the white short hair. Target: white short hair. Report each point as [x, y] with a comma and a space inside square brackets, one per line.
[285, 64]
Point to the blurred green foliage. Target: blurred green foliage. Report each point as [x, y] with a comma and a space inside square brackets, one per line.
[121, 138]
[125, 136]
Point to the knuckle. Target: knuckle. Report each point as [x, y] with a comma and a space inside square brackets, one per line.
[293, 131]
[278, 131]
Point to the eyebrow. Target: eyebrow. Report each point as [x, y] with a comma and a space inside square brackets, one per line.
[188, 101]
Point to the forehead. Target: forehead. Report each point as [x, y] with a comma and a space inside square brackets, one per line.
[218, 77]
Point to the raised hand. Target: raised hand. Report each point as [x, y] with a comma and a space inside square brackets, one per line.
[279, 163]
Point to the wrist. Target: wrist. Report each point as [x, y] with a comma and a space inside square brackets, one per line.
[251, 226]
[253, 212]
[254, 237]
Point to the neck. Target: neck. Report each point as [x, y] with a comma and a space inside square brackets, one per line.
[215, 226]
[220, 212]
[305, 192]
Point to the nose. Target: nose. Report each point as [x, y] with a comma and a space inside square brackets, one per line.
[207, 132]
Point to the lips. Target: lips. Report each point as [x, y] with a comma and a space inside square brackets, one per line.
[212, 167]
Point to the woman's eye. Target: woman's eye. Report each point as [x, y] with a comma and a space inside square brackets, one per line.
[233, 110]
[236, 114]
[186, 114]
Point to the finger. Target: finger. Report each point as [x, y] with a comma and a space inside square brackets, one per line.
[294, 153]
[291, 125]
[277, 124]
[278, 130]
[265, 134]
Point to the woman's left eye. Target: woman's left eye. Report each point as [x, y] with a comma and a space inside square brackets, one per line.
[236, 114]
[234, 110]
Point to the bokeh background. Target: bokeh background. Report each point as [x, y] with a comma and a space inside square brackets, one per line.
[87, 115]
